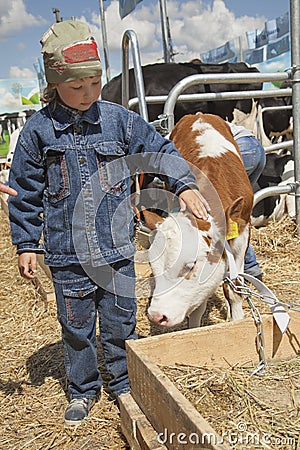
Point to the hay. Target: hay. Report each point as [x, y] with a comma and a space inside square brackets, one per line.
[32, 380]
[246, 409]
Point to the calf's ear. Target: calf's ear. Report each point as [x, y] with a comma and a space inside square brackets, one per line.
[152, 220]
[234, 212]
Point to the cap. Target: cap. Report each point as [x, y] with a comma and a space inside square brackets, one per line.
[70, 52]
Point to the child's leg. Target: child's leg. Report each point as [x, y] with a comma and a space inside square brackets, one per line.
[76, 299]
[117, 317]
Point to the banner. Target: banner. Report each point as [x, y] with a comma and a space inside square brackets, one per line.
[255, 56]
[268, 51]
[223, 53]
[19, 98]
[127, 6]
[278, 47]
[273, 30]
[255, 46]
[19, 94]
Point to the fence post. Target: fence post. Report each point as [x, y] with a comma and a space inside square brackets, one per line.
[295, 46]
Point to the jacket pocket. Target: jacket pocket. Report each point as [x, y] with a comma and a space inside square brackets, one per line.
[58, 186]
[113, 169]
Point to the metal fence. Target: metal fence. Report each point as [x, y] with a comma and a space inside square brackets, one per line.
[166, 121]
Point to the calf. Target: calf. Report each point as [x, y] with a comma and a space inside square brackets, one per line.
[187, 254]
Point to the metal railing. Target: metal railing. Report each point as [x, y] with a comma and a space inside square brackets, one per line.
[176, 95]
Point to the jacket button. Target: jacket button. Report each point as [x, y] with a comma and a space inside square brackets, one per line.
[80, 294]
[81, 159]
[118, 150]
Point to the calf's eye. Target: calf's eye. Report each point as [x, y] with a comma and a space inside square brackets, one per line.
[186, 269]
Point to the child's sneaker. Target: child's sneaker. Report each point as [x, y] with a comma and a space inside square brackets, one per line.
[77, 410]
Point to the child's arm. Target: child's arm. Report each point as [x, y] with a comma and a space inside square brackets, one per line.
[27, 263]
[193, 200]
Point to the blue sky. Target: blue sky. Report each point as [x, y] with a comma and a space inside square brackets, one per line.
[196, 26]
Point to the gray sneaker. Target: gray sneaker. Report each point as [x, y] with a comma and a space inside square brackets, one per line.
[77, 410]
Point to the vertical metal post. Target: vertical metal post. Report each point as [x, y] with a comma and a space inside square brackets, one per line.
[130, 36]
[164, 30]
[104, 40]
[295, 52]
[240, 49]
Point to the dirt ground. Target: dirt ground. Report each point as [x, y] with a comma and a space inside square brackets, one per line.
[32, 381]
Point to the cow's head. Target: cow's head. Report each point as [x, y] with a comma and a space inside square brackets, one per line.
[188, 262]
[183, 257]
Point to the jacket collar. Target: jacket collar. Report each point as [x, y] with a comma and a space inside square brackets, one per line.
[64, 117]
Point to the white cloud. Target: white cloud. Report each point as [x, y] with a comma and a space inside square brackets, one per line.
[16, 72]
[14, 18]
[21, 46]
[10, 101]
[195, 28]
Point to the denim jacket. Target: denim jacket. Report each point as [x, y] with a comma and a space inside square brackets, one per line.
[72, 171]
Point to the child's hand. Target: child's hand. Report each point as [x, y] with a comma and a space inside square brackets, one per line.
[27, 263]
[193, 200]
[7, 190]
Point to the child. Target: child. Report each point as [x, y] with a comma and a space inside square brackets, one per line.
[72, 167]
[254, 159]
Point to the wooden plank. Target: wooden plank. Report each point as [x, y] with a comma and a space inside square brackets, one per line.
[177, 423]
[135, 426]
[40, 259]
[4, 204]
[47, 296]
[223, 345]
[173, 417]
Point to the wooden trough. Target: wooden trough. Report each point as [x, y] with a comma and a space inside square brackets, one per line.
[155, 415]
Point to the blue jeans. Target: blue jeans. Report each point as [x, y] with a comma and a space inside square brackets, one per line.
[254, 159]
[80, 299]
[251, 265]
[253, 155]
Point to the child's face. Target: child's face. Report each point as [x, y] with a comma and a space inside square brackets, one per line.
[80, 94]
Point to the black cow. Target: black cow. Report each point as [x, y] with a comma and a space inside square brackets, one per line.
[279, 170]
[276, 122]
[10, 121]
[160, 78]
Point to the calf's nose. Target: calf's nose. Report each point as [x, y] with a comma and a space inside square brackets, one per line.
[157, 318]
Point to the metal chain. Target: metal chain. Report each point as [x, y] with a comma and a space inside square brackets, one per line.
[246, 290]
[260, 338]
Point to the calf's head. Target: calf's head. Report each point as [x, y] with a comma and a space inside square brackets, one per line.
[182, 260]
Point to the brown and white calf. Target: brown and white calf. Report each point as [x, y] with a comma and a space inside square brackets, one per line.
[187, 254]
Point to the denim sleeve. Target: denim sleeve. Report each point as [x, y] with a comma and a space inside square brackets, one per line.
[25, 211]
[158, 156]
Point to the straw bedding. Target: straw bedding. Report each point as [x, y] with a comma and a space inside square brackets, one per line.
[245, 409]
[32, 380]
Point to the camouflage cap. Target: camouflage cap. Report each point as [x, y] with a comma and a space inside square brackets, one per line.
[70, 52]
